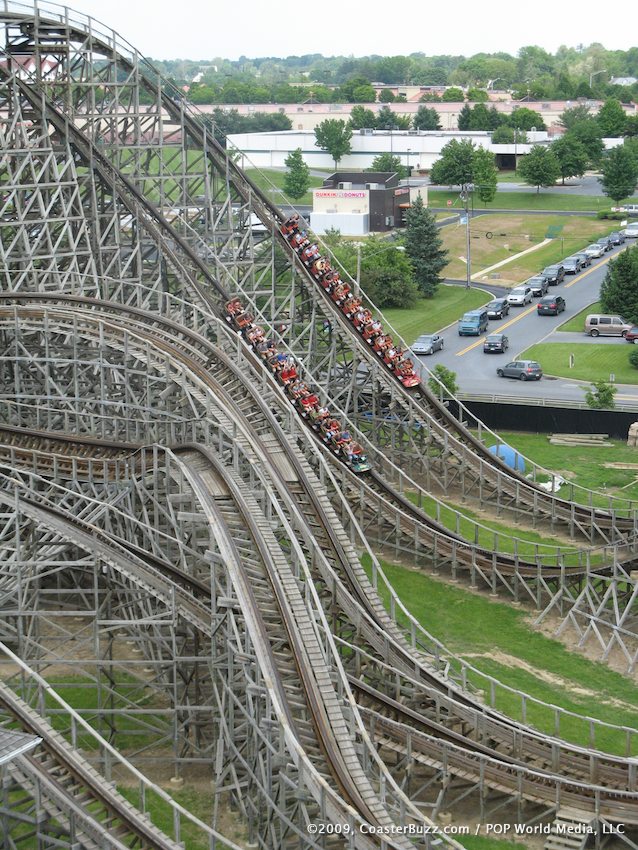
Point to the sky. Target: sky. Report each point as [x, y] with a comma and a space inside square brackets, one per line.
[203, 29]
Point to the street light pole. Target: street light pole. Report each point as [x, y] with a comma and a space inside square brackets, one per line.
[408, 152]
[595, 74]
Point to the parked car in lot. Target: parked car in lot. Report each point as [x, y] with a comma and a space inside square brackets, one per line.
[428, 344]
[572, 265]
[631, 231]
[554, 274]
[598, 324]
[498, 309]
[537, 284]
[520, 296]
[632, 334]
[524, 370]
[584, 258]
[551, 305]
[606, 242]
[496, 344]
[594, 250]
[617, 237]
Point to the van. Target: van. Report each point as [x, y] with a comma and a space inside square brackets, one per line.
[630, 209]
[596, 324]
[473, 323]
[631, 231]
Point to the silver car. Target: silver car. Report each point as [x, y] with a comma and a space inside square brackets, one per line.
[520, 296]
[428, 344]
[594, 250]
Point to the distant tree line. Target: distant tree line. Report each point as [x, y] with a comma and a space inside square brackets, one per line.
[533, 74]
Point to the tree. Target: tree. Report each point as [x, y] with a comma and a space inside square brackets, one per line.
[333, 136]
[484, 174]
[453, 95]
[480, 117]
[571, 155]
[455, 165]
[388, 162]
[619, 173]
[364, 94]
[601, 396]
[587, 132]
[465, 116]
[526, 119]
[297, 178]
[426, 118]
[386, 96]
[539, 167]
[386, 118]
[477, 95]
[442, 375]
[619, 290]
[423, 245]
[386, 275]
[361, 117]
[575, 115]
[611, 119]
[503, 135]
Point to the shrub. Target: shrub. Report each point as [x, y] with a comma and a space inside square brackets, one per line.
[633, 358]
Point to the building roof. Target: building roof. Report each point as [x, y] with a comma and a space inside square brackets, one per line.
[13, 744]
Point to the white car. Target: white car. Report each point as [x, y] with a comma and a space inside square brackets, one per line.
[631, 231]
[594, 250]
[520, 296]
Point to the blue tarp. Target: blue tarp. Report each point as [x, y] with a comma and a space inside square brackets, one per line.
[510, 456]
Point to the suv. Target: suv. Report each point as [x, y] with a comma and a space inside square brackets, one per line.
[551, 305]
[520, 296]
[606, 242]
[498, 343]
[524, 370]
[572, 265]
[584, 257]
[554, 274]
[498, 309]
[538, 284]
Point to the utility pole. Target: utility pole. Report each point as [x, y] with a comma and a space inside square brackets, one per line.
[465, 197]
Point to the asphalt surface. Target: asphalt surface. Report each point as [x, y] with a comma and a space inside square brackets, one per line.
[476, 371]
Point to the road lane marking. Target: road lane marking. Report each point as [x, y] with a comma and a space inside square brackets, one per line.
[507, 324]
[532, 307]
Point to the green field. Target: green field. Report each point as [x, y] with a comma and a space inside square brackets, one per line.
[272, 184]
[577, 323]
[524, 201]
[591, 362]
[432, 314]
[497, 639]
[497, 238]
[581, 465]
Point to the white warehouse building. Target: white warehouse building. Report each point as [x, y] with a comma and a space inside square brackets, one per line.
[417, 149]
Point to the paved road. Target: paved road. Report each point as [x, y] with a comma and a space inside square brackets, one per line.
[476, 371]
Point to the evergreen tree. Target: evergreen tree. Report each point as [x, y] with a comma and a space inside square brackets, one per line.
[465, 116]
[619, 173]
[361, 117]
[426, 118]
[619, 290]
[333, 136]
[423, 245]
[539, 167]
[386, 118]
[497, 119]
[612, 119]
[572, 156]
[480, 117]
[484, 174]
[297, 178]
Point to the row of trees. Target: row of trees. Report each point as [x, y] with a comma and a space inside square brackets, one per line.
[533, 72]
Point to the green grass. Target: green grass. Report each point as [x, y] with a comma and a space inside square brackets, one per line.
[265, 178]
[432, 314]
[495, 535]
[577, 323]
[496, 638]
[197, 802]
[525, 201]
[584, 465]
[592, 362]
